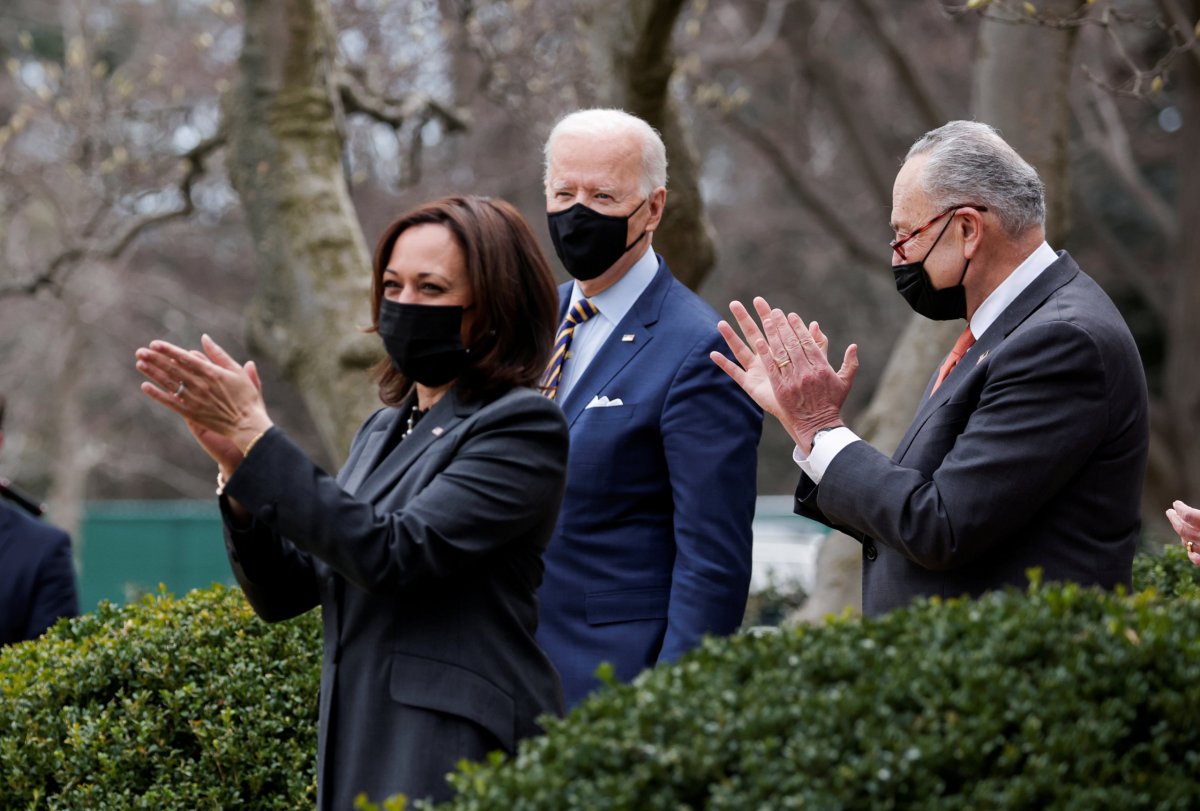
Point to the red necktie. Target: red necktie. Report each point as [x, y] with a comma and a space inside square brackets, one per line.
[964, 342]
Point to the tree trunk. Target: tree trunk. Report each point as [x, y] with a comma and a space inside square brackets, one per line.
[74, 448]
[313, 266]
[1022, 88]
[1035, 121]
[1181, 383]
[632, 63]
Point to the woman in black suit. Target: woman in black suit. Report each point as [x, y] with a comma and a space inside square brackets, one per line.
[425, 552]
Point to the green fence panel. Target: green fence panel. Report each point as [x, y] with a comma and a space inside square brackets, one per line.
[130, 547]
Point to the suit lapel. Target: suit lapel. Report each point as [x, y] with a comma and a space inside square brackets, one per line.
[356, 469]
[6, 514]
[441, 419]
[616, 352]
[1024, 305]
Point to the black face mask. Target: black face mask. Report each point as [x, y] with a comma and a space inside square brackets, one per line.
[424, 341]
[588, 242]
[912, 281]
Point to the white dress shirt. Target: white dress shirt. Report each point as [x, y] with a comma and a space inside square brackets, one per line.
[832, 442]
[614, 303]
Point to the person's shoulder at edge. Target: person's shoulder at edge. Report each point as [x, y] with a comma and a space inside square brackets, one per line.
[690, 312]
[47, 534]
[522, 400]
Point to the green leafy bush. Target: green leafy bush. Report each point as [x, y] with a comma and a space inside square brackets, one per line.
[1061, 697]
[1168, 572]
[164, 704]
[771, 605]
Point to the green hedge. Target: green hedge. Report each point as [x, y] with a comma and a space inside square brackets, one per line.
[1059, 698]
[164, 704]
[1169, 573]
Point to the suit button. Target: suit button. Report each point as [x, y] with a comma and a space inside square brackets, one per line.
[871, 552]
[267, 513]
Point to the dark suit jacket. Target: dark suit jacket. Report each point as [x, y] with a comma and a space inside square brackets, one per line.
[652, 549]
[1030, 454]
[425, 563]
[37, 577]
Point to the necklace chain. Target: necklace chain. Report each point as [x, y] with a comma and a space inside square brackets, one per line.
[414, 416]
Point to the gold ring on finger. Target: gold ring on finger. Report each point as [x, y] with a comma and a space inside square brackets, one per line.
[779, 364]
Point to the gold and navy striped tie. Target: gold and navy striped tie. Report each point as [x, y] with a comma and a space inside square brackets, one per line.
[580, 312]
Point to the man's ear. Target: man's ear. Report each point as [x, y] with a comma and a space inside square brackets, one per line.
[971, 228]
[656, 202]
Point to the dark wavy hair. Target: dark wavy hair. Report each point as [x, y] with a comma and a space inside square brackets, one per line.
[511, 285]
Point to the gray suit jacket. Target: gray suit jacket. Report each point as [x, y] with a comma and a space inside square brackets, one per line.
[425, 561]
[1030, 454]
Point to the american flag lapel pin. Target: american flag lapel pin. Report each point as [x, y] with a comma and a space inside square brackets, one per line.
[438, 431]
[981, 357]
[627, 338]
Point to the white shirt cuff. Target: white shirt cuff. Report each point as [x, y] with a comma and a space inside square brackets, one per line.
[828, 446]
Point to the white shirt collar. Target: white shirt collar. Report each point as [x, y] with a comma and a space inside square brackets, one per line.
[618, 299]
[1010, 288]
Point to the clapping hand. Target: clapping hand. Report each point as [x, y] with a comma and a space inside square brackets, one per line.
[784, 367]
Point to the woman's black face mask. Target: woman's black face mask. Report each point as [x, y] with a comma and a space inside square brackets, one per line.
[424, 341]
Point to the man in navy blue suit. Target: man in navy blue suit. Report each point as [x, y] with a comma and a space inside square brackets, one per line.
[653, 545]
[37, 580]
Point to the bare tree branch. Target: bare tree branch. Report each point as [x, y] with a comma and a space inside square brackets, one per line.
[130, 463]
[1106, 134]
[804, 190]
[1174, 25]
[1183, 26]
[1130, 268]
[416, 107]
[62, 264]
[356, 97]
[881, 24]
[756, 46]
[862, 135]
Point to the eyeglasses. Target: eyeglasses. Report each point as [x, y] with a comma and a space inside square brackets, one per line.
[898, 244]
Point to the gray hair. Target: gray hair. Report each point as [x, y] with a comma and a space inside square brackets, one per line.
[615, 122]
[968, 162]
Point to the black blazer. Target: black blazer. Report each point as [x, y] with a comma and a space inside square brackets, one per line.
[1030, 454]
[37, 577]
[425, 562]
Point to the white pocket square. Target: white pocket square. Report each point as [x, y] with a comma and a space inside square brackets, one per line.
[604, 402]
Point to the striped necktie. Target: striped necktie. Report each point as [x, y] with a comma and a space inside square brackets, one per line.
[581, 311]
[964, 342]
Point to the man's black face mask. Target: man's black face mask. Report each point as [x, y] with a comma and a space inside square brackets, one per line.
[912, 281]
[588, 242]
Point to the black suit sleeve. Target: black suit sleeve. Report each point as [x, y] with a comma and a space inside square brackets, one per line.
[54, 594]
[502, 479]
[978, 470]
[278, 579]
